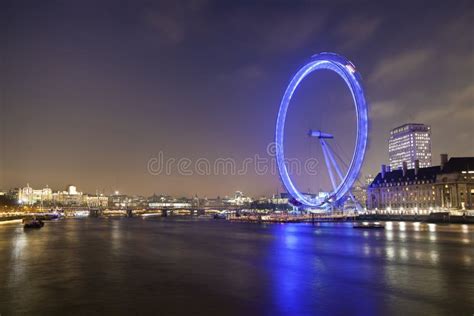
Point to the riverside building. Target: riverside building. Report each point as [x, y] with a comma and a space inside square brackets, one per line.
[421, 190]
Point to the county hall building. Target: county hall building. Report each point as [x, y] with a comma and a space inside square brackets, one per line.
[447, 186]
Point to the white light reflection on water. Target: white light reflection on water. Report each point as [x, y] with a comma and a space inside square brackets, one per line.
[367, 250]
[465, 228]
[404, 253]
[416, 226]
[432, 229]
[116, 235]
[402, 226]
[390, 252]
[467, 260]
[17, 266]
[434, 255]
[403, 236]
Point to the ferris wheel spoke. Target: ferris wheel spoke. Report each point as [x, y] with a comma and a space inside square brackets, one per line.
[336, 166]
[328, 165]
[329, 153]
[341, 159]
[337, 155]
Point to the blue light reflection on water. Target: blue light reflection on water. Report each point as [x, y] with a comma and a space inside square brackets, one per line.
[302, 267]
[407, 267]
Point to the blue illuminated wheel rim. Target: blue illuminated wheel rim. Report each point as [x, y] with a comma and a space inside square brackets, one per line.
[345, 69]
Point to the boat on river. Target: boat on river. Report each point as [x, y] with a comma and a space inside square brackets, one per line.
[34, 223]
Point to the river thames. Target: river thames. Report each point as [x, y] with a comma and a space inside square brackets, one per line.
[184, 266]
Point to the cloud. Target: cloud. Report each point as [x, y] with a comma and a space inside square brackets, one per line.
[279, 31]
[249, 72]
[404, 65]
[356, 31]
[383, 109]
[173, 20]
[292, 32]
[465, 97]
[457, 106]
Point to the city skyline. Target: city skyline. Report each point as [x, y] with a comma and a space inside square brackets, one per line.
[91, 103]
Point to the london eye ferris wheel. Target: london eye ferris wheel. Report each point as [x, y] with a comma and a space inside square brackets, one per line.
[341, 179]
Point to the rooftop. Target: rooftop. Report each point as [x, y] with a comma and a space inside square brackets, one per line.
[455, 164]
[458, 164]
[409, 127]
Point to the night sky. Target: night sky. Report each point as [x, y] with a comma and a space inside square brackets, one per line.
[91, 90]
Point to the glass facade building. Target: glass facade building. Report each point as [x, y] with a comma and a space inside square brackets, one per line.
[408, 143]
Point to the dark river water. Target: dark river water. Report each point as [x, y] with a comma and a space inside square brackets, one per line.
[179, 266]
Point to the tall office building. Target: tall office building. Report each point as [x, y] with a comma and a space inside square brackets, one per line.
[408, 143]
